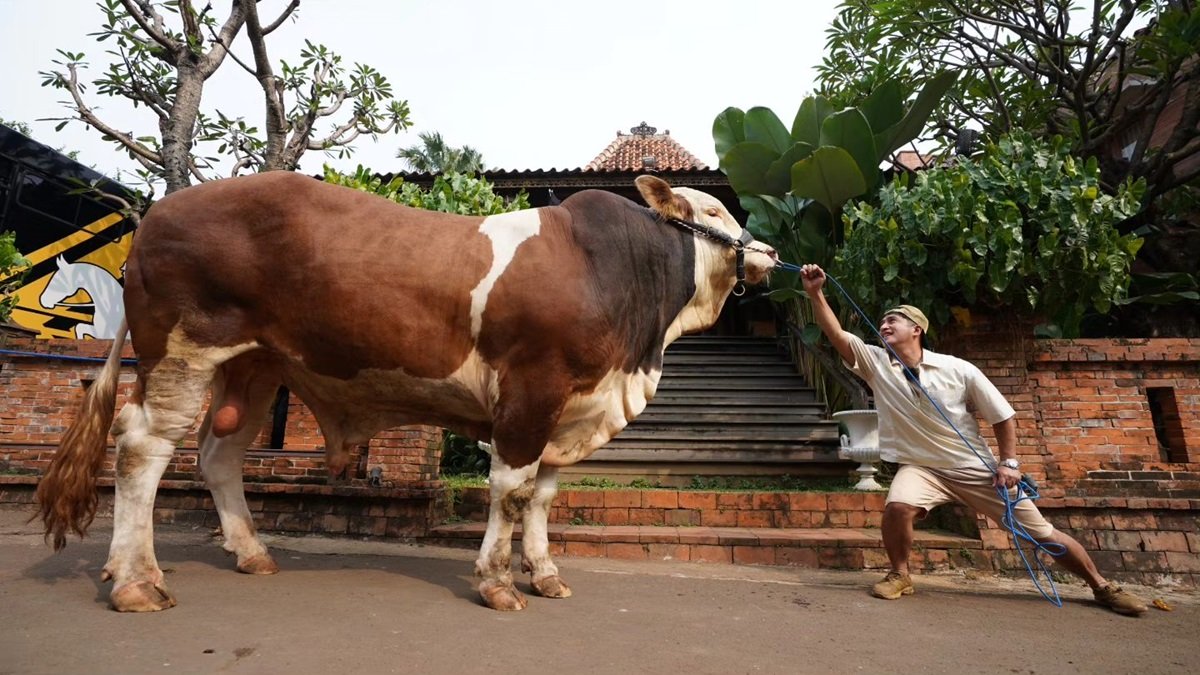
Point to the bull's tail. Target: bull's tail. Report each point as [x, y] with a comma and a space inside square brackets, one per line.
[67, 492]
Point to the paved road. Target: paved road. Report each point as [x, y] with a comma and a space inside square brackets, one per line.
[377, 607]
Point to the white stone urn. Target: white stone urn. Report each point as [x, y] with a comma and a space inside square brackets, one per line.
[861, 444]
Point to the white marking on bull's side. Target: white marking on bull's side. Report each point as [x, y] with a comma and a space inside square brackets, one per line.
[590, 420]
[507, 231]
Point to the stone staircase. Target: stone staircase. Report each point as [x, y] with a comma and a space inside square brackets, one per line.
[726, 406]
[733, 407]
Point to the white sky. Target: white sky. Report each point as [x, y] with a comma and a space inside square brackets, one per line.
[532, 84]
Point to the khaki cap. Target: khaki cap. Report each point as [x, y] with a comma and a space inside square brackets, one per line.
[912, 314]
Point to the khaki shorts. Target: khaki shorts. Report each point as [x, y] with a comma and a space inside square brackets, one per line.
[926, 488]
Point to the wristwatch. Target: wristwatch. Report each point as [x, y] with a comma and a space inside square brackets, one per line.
[1011, 463]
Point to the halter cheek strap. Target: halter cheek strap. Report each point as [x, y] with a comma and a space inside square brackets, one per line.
[712, 234]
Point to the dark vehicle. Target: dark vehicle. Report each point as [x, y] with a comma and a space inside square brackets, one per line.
[76, 243]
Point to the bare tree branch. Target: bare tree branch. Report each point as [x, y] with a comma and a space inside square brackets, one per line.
[282, 17]
[229, 30]
[191, 28]
[150, 21]
[142, 94]
[277, 126]
[85, 113]
[246, 67]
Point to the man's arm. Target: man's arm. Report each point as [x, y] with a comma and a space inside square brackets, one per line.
[1006, 439]
[814, 279]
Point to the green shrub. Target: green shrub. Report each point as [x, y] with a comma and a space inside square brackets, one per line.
[13, 267]
[1024, 227]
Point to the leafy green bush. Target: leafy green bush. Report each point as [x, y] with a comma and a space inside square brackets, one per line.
[1025, 226]
[462, 456]
[13, 267]
[459, 193]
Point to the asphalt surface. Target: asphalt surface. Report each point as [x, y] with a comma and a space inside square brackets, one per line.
[367, 607]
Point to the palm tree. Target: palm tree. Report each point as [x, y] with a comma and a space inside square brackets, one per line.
[433, 155]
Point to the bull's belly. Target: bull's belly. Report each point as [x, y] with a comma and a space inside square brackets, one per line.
[356, 409]
[590, 420]
[374, 400]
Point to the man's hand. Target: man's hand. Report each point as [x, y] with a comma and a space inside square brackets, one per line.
[1006, 477]
[813, 277]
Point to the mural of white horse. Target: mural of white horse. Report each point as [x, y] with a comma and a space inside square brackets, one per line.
[99, 283]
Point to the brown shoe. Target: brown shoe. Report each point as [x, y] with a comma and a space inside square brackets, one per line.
[894, 585]
[1119, 601]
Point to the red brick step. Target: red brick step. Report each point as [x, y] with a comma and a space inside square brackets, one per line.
[832, 548]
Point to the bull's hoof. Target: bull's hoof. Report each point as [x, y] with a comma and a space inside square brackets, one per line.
[551, 587]
[501, 597]
[262, 563]
[141, 596]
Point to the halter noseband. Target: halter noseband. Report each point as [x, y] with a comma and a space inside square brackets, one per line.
[713, 234]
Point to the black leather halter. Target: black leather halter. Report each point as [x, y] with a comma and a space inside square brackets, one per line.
[713, 234]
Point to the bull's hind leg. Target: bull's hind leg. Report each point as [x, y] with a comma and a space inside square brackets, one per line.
[511, 490]
[535, 544]
[242, 393]
[147, 432]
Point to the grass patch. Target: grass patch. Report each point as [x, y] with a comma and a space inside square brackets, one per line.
[456, 483]
[460, 481]
[770, 484]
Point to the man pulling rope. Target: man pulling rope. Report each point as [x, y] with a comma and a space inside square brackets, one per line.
[935, 447]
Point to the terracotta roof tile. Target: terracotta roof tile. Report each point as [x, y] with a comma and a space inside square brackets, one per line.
[644, 149]
[913, 161]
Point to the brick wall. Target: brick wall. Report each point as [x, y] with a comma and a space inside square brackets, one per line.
[1085, 408]
[39, 397]
[1087, 412]
[1086, 417]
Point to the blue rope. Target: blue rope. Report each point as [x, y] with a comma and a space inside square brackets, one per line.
[63, 357]
[1025, 487]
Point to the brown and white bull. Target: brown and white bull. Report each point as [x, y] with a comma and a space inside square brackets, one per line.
[541, 330]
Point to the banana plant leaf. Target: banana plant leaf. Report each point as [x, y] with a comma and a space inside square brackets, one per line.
[850, 130]
[746, 164]
[806, 128]
[830, 176]
[914, 121]
[729, 130]
[762, 126]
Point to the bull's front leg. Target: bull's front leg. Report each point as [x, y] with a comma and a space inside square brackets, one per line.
[511, 491]
[535, 544]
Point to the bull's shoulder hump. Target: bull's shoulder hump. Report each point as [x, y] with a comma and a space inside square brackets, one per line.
[291, 194]
[585, 199]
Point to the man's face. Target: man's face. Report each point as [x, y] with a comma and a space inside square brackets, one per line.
[897, 330]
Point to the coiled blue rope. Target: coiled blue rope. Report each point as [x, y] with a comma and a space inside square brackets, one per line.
[1025, 489]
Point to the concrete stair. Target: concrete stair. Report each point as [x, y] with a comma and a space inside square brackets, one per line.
[725, 406]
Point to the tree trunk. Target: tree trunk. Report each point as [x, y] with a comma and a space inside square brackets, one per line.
[178, 128]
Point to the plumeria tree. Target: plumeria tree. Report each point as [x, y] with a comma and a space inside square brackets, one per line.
[162, 54]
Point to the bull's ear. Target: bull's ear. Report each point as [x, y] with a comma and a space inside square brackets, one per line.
[657, 193]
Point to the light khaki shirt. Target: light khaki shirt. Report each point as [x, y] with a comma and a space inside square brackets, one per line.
[911, 431]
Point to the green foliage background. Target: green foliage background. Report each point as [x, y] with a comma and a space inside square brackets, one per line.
[12, 273]
[1025, 226]
[459, 193]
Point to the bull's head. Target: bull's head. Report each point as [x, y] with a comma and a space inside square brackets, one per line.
[718, 258]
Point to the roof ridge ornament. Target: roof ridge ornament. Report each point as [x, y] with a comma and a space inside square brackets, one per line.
[643, 129]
